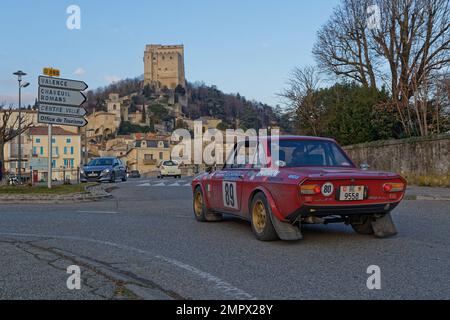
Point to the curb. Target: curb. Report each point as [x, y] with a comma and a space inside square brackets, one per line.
[93, 193]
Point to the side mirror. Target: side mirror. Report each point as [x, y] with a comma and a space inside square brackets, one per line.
[364, 166]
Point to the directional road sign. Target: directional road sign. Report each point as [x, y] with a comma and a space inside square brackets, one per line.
[62, 83]
[60, 96]
[61, 120]
[62, 110]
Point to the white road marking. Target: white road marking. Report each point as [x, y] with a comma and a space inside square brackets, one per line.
[176, 184]
[161, 184]
[144, 185]
[219, 283]
[80, 211]
[225, 287]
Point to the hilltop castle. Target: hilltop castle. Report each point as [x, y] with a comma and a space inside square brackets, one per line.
[164, 66]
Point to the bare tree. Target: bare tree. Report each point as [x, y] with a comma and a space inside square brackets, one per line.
[9, 129]
[343, 44]
[410, 44]
[301, 98]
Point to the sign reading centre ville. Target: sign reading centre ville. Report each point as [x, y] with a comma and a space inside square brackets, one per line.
[60, 101]
[58, 110]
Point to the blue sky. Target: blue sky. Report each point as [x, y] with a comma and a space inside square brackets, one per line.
[241, 46]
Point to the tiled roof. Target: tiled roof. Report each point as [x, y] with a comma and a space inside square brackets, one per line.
[57, 131]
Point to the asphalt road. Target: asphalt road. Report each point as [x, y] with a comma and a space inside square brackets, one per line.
[145, 243]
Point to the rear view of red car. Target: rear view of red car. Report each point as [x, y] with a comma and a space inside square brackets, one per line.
[294, 180]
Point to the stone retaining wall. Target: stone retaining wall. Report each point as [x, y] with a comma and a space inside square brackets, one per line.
[414, 158]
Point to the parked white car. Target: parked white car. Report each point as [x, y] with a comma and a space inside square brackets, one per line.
[169, 168]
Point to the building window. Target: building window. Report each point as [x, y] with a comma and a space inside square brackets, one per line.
[68, 163]
[42, 151]
[68, 140]
[53, 140]
[65, 150]
[71, 150]
[34, 150]
[53, 163]
[38, 140]
[161, 156]
[148, 157]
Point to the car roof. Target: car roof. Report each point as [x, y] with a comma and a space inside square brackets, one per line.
[295, 137]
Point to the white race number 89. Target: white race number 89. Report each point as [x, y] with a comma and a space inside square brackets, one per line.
[229, 194]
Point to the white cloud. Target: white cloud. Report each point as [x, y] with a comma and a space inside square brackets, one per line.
[111, 79]
[79, 72]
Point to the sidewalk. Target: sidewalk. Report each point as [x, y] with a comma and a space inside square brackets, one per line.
[427, 193]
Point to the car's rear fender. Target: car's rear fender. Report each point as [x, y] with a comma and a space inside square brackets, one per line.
[270, 200]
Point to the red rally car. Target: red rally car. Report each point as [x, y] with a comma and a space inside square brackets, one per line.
[307, 180]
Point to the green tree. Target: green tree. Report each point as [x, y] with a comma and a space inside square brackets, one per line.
[351, 113]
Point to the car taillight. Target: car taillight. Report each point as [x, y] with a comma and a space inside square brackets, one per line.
[310, 189]
[393, 187]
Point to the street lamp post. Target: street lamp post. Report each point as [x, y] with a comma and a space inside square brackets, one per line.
[19, 75]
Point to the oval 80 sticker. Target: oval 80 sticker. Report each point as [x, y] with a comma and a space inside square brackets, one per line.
[327, 189]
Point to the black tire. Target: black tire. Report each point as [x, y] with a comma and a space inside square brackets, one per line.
[261, 222]
[362, 224]
[113, 178]
[202, 213]
[124, 179]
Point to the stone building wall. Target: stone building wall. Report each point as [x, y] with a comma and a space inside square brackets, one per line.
[164, 66]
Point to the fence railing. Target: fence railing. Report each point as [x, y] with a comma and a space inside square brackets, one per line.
[59, 175]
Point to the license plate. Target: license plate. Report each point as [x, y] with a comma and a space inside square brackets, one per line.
[351, 193]
[93, 174]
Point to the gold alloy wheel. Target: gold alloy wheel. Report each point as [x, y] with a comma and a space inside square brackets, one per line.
[259, 216]
[198, 204]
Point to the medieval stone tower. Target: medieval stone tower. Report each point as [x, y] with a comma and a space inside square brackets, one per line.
[164, 65]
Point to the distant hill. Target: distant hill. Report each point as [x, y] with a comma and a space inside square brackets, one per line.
[203, 100]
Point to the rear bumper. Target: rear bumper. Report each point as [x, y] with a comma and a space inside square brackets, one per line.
[343, 210]
[166, 174]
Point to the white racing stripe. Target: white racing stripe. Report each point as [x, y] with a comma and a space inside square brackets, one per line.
[227, 288]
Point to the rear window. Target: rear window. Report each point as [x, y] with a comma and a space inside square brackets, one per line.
[169, 163]
[311, 153]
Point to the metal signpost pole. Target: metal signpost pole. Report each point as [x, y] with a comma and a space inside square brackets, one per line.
[50, 155]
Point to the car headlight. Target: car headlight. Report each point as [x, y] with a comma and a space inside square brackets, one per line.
[82, 171]
[106, 171]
